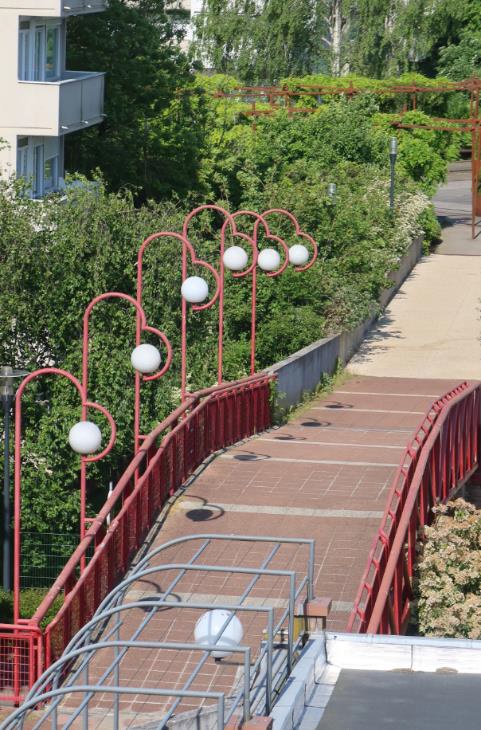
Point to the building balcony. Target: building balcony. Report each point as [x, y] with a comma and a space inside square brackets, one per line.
[53, 8]
[55, 108]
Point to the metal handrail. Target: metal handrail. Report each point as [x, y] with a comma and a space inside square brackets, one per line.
[172, 421]
[11, 721]
[113, 606]
[389, 570]
[53, 675]
[395, 501]
[165, 467]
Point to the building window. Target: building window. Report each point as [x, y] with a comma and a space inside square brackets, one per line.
[22, 157]
[50, 178]
[52, 53]
[39, 54]
[38, 171]
[39, 51]
[24, 51]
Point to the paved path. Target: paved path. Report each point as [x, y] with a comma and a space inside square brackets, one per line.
[432, 328]
[325, 475]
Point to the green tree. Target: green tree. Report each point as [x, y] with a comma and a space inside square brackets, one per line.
[152, 136]
[261, 42]
[437, 24]
[463, 60]
[387, 37]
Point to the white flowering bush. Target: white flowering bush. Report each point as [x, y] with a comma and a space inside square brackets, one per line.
[409, 222]
[449, 572]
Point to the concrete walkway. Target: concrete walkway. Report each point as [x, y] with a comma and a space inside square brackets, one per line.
[432, 328]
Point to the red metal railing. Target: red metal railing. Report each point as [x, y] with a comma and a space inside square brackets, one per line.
[209, 420]
[440, 458]
[20, 660]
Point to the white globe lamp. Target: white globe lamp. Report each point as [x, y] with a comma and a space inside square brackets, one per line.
[235, 258]
[195, 289]
[85, 437]
[145, 358]
[208, 627]
[269, 259]
[298, 255]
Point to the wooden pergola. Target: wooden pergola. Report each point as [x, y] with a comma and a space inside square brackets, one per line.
[282, 98]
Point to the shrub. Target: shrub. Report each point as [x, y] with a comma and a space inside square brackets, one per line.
[30, 600]
[450, 573]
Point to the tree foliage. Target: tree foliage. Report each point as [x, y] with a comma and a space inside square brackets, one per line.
[463, 60]
[373, 37]
[261, 41]
[152, 136]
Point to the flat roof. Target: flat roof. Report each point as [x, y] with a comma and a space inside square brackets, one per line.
[403, 700]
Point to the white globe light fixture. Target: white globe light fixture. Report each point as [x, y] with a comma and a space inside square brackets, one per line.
[209, 625]
[269, 259]
[195, 289]
[85, 437]
[145, 358]
[298, 255]
[235, 258]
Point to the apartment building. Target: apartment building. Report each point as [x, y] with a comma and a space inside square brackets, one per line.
[183, 14]
[40, 101]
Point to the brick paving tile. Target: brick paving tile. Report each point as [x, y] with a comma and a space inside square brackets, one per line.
[325, 475]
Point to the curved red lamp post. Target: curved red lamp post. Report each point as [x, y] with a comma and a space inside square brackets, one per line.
[299, 232]
[141, 326]
[230, 222]
[260, 220]
[252, 269]
[187, 251]
[18, 463]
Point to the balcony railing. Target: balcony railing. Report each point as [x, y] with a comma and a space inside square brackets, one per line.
[81, 100]
[54, 108]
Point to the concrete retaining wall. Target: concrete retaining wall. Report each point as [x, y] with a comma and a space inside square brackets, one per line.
[301, 373]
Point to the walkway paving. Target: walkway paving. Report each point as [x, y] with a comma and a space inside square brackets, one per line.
[432, 328]
[325, 475]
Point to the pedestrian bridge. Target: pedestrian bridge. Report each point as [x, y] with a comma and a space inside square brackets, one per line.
[283, 528]
[267, 559]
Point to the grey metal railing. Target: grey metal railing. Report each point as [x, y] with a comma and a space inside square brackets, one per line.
[260, 682]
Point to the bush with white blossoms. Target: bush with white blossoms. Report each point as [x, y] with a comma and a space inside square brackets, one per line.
[410, 207]
[449, 573]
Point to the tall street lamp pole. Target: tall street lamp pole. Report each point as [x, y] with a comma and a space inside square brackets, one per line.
[392, 156]
[7, 376]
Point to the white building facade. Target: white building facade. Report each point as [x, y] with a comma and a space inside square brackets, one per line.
[40, 101]
[183, 14]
